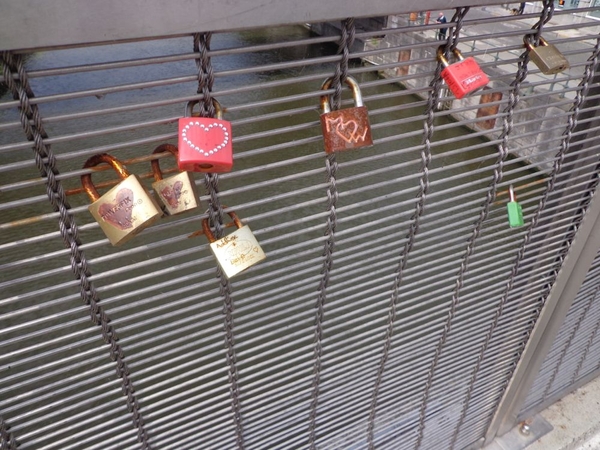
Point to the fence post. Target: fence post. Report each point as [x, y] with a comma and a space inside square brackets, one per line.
[570, 278]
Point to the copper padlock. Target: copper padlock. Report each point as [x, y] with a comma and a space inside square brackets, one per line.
[176, 193]
[236, 251]
[348, 128]
[126, 209]
[204, 142]
[547, 57]
[463, 76]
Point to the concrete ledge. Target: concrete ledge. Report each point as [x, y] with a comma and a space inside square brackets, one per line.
[576, 421]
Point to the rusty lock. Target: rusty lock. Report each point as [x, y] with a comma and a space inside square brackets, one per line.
[348, 128]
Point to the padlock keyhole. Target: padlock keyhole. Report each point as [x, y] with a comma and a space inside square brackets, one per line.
[204, 166]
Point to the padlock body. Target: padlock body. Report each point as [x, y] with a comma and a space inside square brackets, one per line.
[125, 210]
[548, 59]
[176, 193]
[464, 77]
[205, 145]
[346, 129]
[237, 251]
[515, 214]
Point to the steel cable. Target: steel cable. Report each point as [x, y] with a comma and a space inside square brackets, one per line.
[339, 78]
[46, 164]
[216, 218]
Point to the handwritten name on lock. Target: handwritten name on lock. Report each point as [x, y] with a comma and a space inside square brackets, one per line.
[124, 210]
[237, 251]
[178, 192]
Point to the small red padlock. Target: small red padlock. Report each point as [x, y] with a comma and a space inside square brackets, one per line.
[464, 76]
[204, 142]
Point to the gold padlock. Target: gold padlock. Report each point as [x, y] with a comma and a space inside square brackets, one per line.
[236, 251]
[126, 209]
[547, 57]
[176, 193]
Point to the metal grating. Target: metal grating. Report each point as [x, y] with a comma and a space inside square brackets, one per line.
[58, 386]
[574, 357]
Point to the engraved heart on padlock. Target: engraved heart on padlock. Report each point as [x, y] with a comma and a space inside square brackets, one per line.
[205, 139]
[118, 213]
[172, 193]
[348, 131]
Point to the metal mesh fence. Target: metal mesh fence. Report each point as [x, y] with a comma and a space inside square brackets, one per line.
[424, 264]
[574, 354]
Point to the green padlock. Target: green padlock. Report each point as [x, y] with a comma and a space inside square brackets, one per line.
[515, 212]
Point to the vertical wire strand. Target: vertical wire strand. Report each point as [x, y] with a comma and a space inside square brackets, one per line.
[339, 77]
[46, 163]
[556, 168]
[216, 217]
[428, 131]
[588, 345]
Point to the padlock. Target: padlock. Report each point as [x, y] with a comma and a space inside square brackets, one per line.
[176, 193]
[236, 251]
[515, 212]
[124, 210]
[463, 76]
[204, 142]
[348, 128]
[547, 57]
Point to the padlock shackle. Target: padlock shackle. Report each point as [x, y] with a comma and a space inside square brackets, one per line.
[189, 108]
[529, 45]
[208, 232]
[156, 164]
[441, 58]
[86, 179]
[511, 193]
[351, 82]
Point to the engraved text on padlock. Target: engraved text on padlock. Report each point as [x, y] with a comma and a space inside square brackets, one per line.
[178, 192]
[464, 76]
[205, 143]
[124, 210]
[237, 251]
[547, 57]
[348, 128]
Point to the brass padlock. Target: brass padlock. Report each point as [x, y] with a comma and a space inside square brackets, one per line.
[547, 57]
[126, 209]
[176, 193]
[348, 128]
[236, 251]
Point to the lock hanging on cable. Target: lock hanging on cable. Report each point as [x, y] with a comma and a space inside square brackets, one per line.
[126, 209]
[463, 76]
[546, 56]
[515, 212]
[348, 128]
[204, 142]
[237, 251]
[176, 193]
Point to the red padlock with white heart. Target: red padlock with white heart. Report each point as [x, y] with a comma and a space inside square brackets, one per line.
[464, 76]
[204, 142]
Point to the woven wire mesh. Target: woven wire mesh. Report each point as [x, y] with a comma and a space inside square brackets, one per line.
[59, 389]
